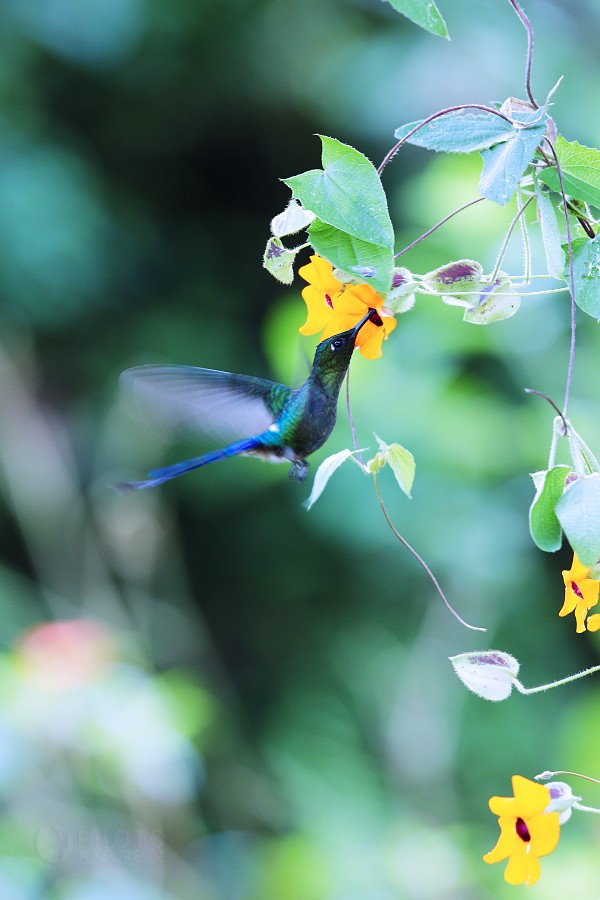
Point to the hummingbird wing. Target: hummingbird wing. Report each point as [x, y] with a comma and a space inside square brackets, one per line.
[220, 404]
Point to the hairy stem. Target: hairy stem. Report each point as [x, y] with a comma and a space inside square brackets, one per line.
[508, 236]
[553, 684]
[571, 282]
[421, 561]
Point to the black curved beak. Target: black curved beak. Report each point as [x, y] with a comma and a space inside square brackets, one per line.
[372, 314]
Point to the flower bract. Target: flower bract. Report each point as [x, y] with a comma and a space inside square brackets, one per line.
[581, 594]
[527, 831]
[334, 307]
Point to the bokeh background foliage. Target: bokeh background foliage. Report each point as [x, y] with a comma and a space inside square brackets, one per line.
[262, 706]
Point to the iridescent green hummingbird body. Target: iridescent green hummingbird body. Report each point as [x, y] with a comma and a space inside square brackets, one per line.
[269, 419]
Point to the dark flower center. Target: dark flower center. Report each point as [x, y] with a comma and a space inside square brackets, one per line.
[522, 830]
[328, 300]
[576, 591]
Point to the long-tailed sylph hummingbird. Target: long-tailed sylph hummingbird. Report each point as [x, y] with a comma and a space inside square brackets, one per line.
[268, 419]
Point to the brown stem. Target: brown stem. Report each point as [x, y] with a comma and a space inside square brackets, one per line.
[421, 562]
[431, 118]
[529, 30]
[553, 405]
[435, 227]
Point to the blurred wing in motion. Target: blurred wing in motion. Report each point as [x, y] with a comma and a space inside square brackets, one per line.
[218, 404]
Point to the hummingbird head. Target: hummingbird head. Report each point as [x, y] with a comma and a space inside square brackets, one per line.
[333, 355]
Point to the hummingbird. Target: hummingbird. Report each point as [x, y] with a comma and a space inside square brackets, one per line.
[270, 420]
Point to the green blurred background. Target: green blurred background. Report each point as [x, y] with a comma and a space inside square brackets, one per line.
[264, 708]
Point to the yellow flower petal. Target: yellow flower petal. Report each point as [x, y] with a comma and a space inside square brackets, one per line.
[507, 843]
[522, 868]
[318, 309]
[590, 589]
[365, 294]
[319, 273]
[371, 337]
[593, 622]
[577, 572]
[320, 295]
[571, 600]
[531, 797]
[545, 832]
[580, 617]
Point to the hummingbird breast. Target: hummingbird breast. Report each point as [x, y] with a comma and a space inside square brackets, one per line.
[307, 421]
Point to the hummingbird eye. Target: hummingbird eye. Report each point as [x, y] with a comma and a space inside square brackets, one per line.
[337, 344]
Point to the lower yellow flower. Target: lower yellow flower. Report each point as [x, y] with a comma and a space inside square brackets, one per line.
[526, 830]
[334, 307]
[581, 593]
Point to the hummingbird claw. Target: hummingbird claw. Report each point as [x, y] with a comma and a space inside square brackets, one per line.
[298, 470]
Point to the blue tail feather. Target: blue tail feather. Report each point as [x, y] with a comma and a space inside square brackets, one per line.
[159, 476]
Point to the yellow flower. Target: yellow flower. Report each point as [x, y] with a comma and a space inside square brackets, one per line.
[334, 307]
[526, 830]
[581, 593]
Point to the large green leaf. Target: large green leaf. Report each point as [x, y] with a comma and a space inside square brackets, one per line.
[460, 131]
[504, 164]
[586, 270]
[346, 193]
[543, 522]
[422, 12]
[580, 167]
[578, 512]
[370, 262]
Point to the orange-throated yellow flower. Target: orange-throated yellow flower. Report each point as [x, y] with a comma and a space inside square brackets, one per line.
[334, 307]
[581, 593]
[527, 831]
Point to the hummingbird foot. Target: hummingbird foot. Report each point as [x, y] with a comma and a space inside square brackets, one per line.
[298, 470]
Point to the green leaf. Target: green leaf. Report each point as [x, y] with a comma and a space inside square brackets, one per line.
[279, 261]
[292, 220]
[400, 460]
[578, 512]
[324, 473]
[422, 12]
[586, 271]
[496, 302]
[504, 164]
[346, 194]
[370, 262]
[580, 168]
[459, 131]
[543, 523]
[555, 256]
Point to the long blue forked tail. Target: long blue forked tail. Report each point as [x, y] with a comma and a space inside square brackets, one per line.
[158, 476]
